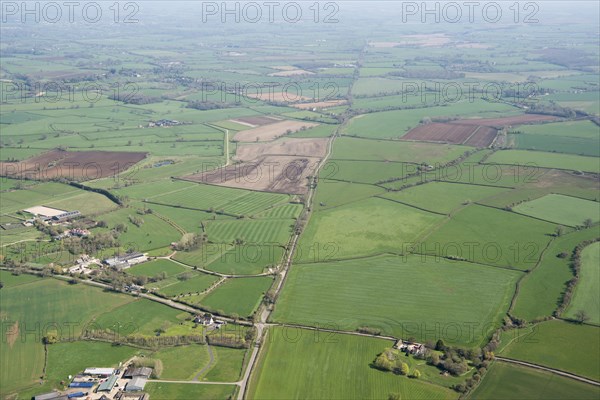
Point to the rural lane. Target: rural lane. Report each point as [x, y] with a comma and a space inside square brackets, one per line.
[554, 371]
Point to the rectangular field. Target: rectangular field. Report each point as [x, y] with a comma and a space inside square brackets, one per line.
[77, 165]
[440, 295]
[542, 343]
[337, 367]
[506, 382]
[587, 291]
[546, 160]
[471, 135]
[491, 236]
[366, 227]
[272, 131]
[565, 210]
[238, 296]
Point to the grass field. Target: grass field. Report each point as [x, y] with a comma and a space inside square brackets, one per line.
[507, 382]
[546, 160]
[363, 228]
[259, 231]
[335, 193]
[228, 367]
[197, 283]
[153, 268]
[400, 296]
[154, 233]
[182, 362]
[491, 236]
[565, 210]
[337, 367]
[545, 342]
[349, 148]
[540, 291]
[442, 197]
[238, 296]
[170, 391]
[140, 317]
[246, 259]
[587, 291]
[43, 305]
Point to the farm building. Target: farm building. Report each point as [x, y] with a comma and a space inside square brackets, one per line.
[132, 372]
[131, 396]
[126, 260]
[50, 396]
[44, 212]
[205, 319]
[81, 384]
[65, 216]
[136, 384]
[108, 384]
[99, 372]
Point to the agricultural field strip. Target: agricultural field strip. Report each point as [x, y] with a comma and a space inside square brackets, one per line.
[553, 370]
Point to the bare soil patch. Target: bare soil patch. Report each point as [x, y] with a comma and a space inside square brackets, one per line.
[271, 131]
[470, 135]
[256, 121]
[302, 147]
[72, 165]
[278, 174]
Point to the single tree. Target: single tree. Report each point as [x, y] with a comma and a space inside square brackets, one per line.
[581, 316]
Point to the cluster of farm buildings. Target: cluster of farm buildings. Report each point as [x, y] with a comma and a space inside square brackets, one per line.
[105, 384]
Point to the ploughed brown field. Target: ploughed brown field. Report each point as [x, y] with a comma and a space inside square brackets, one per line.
[476, 132]
[278, 174]
[72, 165]
[271, 131]
[307, 147]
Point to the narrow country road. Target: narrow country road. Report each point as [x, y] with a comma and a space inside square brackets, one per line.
[211, 361]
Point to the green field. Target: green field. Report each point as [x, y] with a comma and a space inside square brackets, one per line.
[565, 210]
[394, 294]
[32, 309]
[257, 231]
[154, 233]
[541, 290]
[349, 148]
[546, 160]
[543, 344]
[442, 197]
[182, 362]
[238, 296]
[246, 259]
[170, 391]
[141, 317]
[228, 367]
[587, 291]
[491, 236]
[197, 283]
[362, 228]
[152, 268]
[337, 367]
[506, 382]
